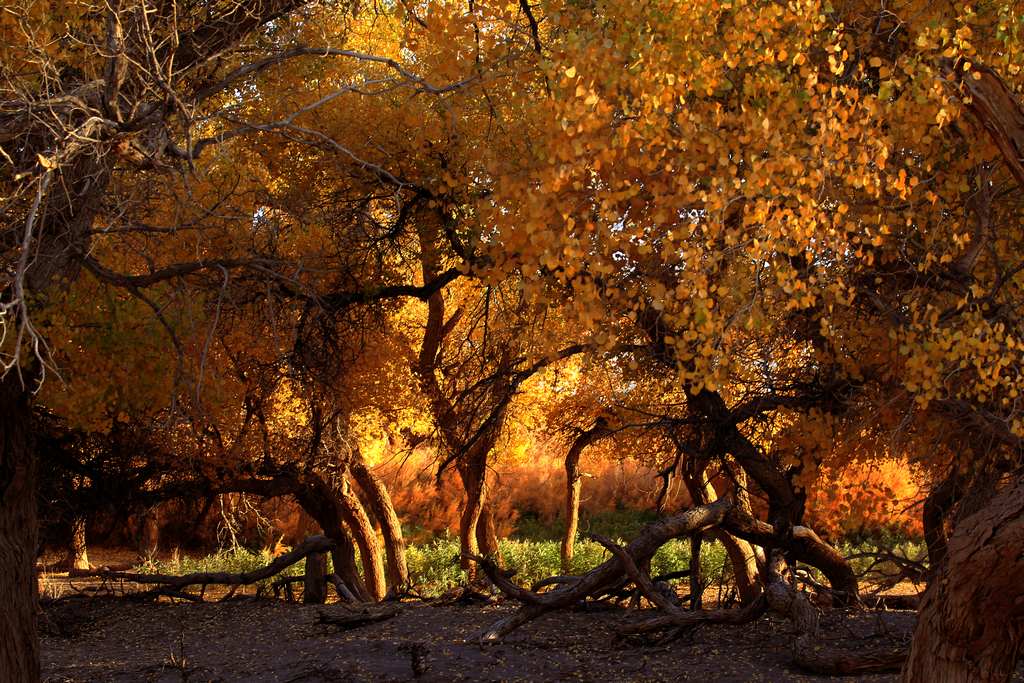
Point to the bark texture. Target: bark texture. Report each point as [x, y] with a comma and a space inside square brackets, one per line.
[573, 488]
[379, 500]
[78, 551]
[971, 624]
[366, 539]
[314, 582]
[19, 645]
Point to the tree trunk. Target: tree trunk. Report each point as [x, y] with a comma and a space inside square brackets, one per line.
[742, 555]
[78, 552]
[487, 534]
[314, 588]
[390, 525]
[473, 472]
[366, 539]
[344, 560]
[696, 575]
[971, 623]
[573, 488]
[149, 535]
[743, 558]
[19, 643]
[317, 499]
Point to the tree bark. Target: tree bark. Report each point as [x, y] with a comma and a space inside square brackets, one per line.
[366, 539]
[574, 486]
[805, 546]
[19, 644]
[971, 624]
[472, 474]
[314, 584]
[487, 534]
[742, 555]
[379, 500]
[78, 551]
[696, 575]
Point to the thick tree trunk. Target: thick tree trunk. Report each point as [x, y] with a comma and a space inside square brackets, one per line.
[316, 498]
[487, 535]
[743, 558]
[383, 509]
[19, 644]
[473, 473]
[344, 560]
[805, 546]
[78, 551]
[366, 539]
[971, 623]
[742, 555]
[314, 584]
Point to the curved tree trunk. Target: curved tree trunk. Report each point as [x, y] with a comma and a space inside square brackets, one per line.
[366, 538]
[573, 488]
[487, 534]
[473, 473]
[343, 558]
[742, 555]
[321, 504]
[743, 558]
[19, 643]
[805, 546]
[380, 503]
[971, 623]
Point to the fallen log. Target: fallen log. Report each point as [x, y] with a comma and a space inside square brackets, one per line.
[313, 544]
[349, 620]
[675, 616]
[599, 579]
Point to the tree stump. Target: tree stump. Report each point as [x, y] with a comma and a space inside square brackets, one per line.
[314, 588]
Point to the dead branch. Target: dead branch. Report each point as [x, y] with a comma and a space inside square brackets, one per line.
[596, 581]
[313, 544]
[350, 620]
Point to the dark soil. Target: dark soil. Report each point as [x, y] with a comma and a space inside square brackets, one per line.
[115, 639]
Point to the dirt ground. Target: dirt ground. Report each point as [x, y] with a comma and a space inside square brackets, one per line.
[92, 639]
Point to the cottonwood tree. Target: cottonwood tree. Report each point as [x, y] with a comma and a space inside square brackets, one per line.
[822, 178]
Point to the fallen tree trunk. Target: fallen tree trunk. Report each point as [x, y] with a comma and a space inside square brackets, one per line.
[609, 573]
[674, 614]
[313, 544]
[349, 620]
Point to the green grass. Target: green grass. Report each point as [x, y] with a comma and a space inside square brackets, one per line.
[434, 566]
[533, 553]
[235, 560]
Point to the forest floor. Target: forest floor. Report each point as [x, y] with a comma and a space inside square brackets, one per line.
[115, 639]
